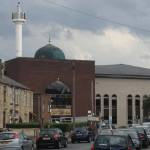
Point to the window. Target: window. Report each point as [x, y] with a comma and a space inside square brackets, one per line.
[4, 93]
[43, 106]
[25, 117]
[11, 96]
[30, 98]
[25, 99]
[48, 108]
[129, 101]
[16, 96]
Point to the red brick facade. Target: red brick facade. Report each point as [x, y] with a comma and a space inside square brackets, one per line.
[38, 73]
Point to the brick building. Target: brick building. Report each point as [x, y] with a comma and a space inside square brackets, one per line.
[16, 101]
[52, 82]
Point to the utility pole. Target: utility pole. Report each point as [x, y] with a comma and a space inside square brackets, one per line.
[92, 95]
[73, 94]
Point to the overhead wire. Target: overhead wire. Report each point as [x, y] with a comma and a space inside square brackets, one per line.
[97, 16]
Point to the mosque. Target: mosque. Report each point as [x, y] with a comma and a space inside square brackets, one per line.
[65, 88]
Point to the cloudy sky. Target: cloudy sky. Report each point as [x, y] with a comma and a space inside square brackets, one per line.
[79, 35]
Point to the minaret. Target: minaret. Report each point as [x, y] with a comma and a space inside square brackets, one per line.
[18, 18]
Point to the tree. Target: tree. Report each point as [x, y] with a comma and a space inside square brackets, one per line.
[146, 104]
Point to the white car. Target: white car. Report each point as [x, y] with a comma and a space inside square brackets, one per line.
[107, 128]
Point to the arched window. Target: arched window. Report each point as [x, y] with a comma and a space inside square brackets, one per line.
[137, 106]
[106, 108]
[145, 112]
[129, 101]
[114, 109]
[98, 104]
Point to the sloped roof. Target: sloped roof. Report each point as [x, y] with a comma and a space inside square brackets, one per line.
[121, 71]
[8, 81]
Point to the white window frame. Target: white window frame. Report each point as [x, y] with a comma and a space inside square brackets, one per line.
[16, 96]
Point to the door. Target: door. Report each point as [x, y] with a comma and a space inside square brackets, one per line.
[26, 142]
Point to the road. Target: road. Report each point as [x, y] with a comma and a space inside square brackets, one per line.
[80, 146]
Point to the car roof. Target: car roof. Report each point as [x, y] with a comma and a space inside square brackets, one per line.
[146, 122]
[142, 126]
[10, 132]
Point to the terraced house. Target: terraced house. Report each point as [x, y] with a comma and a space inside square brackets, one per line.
[16, 101]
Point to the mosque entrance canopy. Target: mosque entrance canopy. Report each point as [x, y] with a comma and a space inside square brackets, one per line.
[60, 98]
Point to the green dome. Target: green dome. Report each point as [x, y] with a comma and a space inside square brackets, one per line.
[49, 52]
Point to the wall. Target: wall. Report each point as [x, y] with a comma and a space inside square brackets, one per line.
[38, 73]
[122, 88]
[20, 106]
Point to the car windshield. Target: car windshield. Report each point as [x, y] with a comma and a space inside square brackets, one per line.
[3, 136]
[80, 129]
[105, 127]
[113, 140]
[51, 132]
[140, 129]
[10, 135]
[133, 135]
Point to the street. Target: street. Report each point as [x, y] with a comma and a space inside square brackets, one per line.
[81, 146]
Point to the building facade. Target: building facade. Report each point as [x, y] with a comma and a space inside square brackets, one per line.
[120, 91]
[57, 79]
[16, 101]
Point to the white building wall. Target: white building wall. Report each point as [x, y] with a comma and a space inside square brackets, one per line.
[122, 88]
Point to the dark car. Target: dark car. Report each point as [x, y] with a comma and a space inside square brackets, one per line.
[113, 141]
[143, 135]
[134, 136]
[82, 134]
[51, 137]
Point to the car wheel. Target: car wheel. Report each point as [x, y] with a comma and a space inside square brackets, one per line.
[22, 148]
[38, 147]
[89, 141]
[66, 144]
[32, 148]
[58, 145]
[78, 141]
[72, 141]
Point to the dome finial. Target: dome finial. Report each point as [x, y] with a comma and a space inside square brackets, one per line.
[49, 40]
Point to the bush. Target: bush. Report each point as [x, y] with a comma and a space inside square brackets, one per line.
[65, 127]
[24, 125]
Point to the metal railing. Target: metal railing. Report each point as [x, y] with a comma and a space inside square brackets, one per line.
[18, 15]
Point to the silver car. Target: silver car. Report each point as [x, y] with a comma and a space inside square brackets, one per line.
[15, 141]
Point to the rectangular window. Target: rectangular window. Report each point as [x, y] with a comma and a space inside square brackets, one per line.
[25, 99]
[16, 96]
[11, 96]
[4, 93]
[48, 108]
[43, 106]
[25, 117]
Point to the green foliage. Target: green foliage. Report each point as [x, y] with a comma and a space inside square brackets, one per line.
[24, 125]
[65, 127]
[146, 104]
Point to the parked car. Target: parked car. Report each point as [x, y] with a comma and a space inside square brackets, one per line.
[142, 133]
[51, 137]
[107, 128]
[82, 134]
[112, 141]
[146, 123]
[15, 141]
[134, 136]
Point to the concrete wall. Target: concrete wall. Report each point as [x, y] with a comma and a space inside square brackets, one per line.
[122, 88]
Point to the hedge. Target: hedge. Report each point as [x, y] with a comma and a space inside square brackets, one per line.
[65, 127]
[24, 125]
